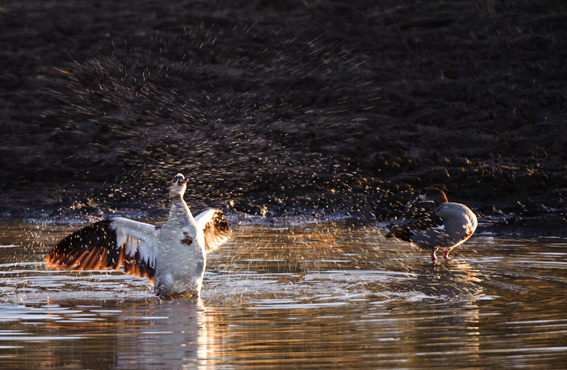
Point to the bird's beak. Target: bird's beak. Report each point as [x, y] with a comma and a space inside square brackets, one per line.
[415, 201]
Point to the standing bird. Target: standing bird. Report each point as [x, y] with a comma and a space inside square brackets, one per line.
[172, 257]
[451, 225]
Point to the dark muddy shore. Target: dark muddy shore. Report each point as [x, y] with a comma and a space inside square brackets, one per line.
[274, 108]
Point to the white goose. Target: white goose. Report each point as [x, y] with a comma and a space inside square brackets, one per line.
[172, 257]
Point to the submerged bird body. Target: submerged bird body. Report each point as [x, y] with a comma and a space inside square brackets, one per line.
[451, 225]
[172, 257]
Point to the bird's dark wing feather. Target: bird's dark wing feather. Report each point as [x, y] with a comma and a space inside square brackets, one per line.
[109, 244]
[406, 230]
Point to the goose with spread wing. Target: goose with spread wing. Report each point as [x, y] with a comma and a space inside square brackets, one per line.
[173, 256]
[450, 226]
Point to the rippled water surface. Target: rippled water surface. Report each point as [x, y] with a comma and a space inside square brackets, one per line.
[314, 296]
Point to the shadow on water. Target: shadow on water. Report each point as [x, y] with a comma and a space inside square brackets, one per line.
[311, 296]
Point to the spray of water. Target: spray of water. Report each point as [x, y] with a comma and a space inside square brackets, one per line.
[238, 121]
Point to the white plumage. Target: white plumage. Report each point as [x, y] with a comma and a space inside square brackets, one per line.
[172, 257]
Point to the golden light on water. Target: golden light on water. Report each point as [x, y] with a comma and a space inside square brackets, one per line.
[283, 296]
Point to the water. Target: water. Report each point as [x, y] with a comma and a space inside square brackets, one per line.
[314, 296]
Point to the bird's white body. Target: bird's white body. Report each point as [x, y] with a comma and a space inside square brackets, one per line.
[181, 252]
[459, 223]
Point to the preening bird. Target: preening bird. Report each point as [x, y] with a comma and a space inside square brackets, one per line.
[451, 225]
[172, 256]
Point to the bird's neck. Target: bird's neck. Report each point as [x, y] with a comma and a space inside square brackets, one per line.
[439, 205]
[175, 195]
[179, 213]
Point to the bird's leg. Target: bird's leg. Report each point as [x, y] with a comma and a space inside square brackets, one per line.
[446, 254]
[433, 256]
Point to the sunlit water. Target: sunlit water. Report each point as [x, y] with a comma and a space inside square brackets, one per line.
[313, 296]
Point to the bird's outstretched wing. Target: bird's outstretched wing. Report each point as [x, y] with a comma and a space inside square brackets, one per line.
[215, 228]
[109, 244]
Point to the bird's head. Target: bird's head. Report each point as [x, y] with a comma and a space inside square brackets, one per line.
[178, 186]
[431, 195]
